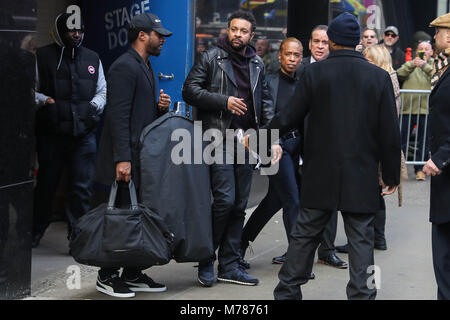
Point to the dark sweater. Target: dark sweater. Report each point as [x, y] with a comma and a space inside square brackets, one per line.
[241, 71]
[286, 89]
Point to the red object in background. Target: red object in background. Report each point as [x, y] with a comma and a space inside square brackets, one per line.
[408, 55]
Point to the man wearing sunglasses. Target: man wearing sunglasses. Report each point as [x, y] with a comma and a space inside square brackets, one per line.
[390, 40]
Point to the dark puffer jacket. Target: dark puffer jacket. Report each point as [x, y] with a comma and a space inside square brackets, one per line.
[69, 76]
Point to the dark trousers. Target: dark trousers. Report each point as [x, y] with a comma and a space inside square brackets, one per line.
[326, 246]
[54, 153]
[283, 194]
[441, 259]
[230, 185]
[306, 237]
[405, 125]
[380, 223]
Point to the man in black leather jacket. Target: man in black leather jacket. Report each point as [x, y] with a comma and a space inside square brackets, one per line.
[227, 86]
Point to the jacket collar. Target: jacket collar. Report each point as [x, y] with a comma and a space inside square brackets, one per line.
[143, 65]
[445, 75]
[224, 63]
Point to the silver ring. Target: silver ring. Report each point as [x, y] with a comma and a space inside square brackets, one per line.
[232, 111]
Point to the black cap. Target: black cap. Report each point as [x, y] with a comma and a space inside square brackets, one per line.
[149, 21]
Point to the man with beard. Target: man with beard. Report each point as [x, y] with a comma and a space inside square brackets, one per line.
[71, 94]
[390, 41]
[132, 105]
[227, 86]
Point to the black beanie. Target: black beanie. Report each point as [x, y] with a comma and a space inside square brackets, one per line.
[345, 30]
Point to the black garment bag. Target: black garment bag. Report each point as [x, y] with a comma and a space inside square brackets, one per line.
[178, 192]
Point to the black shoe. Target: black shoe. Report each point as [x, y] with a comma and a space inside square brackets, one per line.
[36, 239]
[206, 274]
[312, 276]
[242, 262]
[333, 261]
[114, 287]
[380, 246]
[279, 260]
[238, 276]
[342, 249]
[144, 284]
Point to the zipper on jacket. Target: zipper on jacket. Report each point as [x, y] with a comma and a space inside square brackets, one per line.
[254, 88]
[221, 90]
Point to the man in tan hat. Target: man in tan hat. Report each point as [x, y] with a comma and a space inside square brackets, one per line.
[439, 164]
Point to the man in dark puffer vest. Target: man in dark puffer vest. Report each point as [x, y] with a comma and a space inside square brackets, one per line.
[71, 96]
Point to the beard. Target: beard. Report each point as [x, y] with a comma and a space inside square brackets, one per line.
[237, 44]
[154, 50]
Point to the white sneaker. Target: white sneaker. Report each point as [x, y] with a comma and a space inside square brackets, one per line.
[144, 284]
[114, 287]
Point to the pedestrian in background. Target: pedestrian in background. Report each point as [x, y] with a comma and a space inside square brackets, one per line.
[283, 190]
[132, 105]
[391, 37]
[369, 38]
[439, 165]
[416, 75]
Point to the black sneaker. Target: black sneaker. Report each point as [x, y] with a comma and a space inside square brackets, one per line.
[238, 276]
[114, 287]
[144, 284]
[279, 260]
[206, 273]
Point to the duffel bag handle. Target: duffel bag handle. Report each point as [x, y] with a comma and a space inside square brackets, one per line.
[113, 194]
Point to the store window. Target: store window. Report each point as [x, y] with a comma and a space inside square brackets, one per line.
[271, 20]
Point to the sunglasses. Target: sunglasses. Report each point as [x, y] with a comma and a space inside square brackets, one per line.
[390, 35]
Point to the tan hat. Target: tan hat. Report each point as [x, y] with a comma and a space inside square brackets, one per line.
[442, 21]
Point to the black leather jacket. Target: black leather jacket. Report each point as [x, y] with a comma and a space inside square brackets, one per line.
[211, 81]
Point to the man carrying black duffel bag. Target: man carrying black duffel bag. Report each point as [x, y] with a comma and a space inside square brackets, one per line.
[131, 106]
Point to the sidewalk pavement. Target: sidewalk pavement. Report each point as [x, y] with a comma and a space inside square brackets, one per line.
[406, 267]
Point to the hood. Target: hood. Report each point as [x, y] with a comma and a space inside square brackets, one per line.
[59, 28]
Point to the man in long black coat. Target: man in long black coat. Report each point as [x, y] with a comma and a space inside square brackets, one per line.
[353, 128]
[131, 106]
[439, 164]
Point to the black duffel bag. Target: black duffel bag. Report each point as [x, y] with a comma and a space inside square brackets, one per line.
[115, 237]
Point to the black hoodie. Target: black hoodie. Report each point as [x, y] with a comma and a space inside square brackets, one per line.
[240, 63]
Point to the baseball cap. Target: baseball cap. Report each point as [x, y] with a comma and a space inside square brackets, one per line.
[392, 29]
[149, 21]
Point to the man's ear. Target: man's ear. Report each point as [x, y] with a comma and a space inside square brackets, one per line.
[251, 36]
[141, 35]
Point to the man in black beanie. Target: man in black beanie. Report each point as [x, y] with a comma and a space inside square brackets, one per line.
[353, 128]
